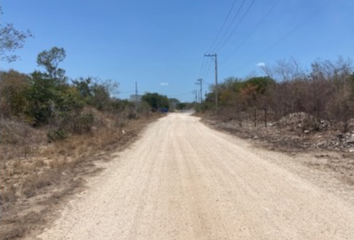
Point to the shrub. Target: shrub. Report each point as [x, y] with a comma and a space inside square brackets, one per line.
[56, 135]
[13, 90]
[156, 101]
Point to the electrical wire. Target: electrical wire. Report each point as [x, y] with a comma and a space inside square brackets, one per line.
[235, 28]
[292, 30]
[201, 68]
[223, 25]
[228, 28]
[127, 92]
[181, 94]
[253, 30]
[206, 71]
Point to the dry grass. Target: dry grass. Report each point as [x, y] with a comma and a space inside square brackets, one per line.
[33, 184]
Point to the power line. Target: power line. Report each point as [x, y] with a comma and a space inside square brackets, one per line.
[292, 30]
[127, 92]
[201, 67]
[300, 24]
[180, 94]
[234, 30]
[253, 30]
[222, 27]
[206, 70]
[228, 28]
[195, 92]
[202, 70]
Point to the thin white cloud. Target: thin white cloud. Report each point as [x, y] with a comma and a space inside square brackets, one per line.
[260, 64]
[164, 84]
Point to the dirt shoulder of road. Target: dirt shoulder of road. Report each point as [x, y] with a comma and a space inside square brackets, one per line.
[332, 169]
[35, 187]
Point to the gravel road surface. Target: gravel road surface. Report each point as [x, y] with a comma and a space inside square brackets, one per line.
[183, 180]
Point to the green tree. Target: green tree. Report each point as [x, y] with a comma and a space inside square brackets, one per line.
[50, 61]
[13, 89]
[100, 96]
[261, 83]
[156, 101]
[11, 40]
[51, 98]
[83, 86]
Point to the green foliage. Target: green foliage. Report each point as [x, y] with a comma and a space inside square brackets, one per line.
[56, 135]
[83, 86]
[156, 101]
[50, 61]
[226, 90]
[240, 92]
[181, 106]
[261, 83]
[11, 40]
[121, 105]
[100, 96]
[94, 94]
[46, 98]
[42, 95]
[50, 97]
[13, 88]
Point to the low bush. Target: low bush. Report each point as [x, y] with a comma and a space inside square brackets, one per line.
[56, 135]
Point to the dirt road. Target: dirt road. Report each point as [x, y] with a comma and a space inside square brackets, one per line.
[182, 180]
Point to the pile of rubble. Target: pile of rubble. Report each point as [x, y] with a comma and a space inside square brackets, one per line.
[321, 133]
[295, 131]
[303, 121]
[342, 141]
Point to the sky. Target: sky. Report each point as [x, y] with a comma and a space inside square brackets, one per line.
[160, 44]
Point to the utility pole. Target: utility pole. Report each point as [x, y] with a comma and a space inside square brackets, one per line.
[215, 58]
[136, 92]
[200, 82]
[196, 95]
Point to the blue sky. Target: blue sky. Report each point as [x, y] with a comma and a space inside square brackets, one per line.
[161, 43]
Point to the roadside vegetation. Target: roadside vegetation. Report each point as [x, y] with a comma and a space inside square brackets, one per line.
[302, 103]
[52, 130]
[325, 92]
